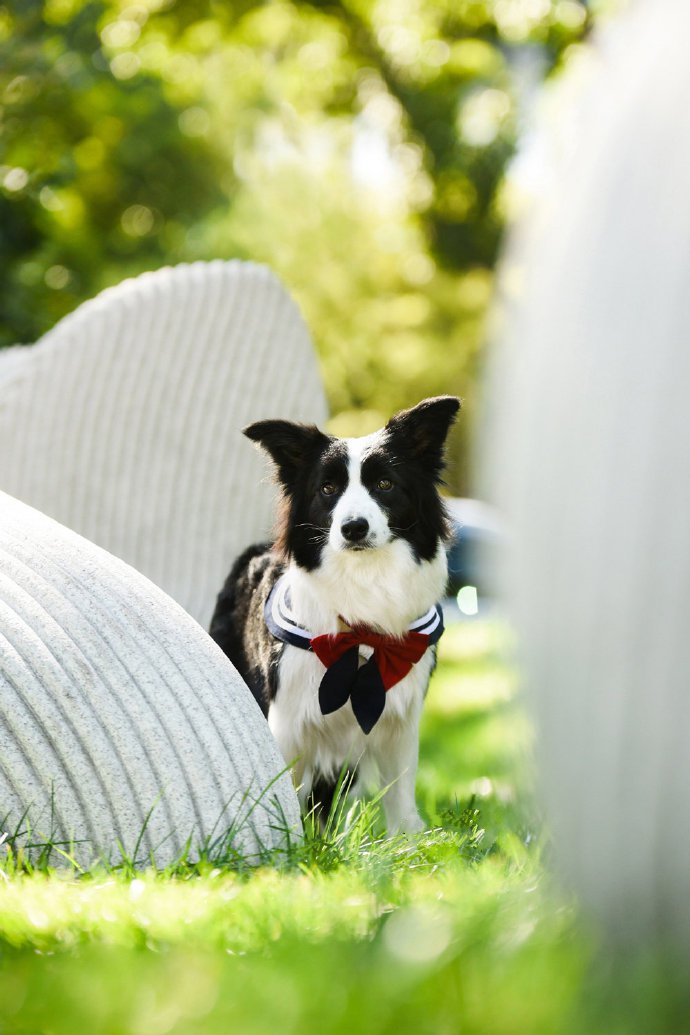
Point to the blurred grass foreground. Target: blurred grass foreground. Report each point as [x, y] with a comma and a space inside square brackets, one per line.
[460, 930]
[352, 933]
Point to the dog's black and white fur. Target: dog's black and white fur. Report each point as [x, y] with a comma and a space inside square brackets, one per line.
[361, 537]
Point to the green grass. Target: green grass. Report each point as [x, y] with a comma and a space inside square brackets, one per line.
[458, 930]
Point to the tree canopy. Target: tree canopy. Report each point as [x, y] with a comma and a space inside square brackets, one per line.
[357, 148]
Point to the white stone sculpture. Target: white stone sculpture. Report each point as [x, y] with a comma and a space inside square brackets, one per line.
[589, 451]
[123, 728]
[123, 422]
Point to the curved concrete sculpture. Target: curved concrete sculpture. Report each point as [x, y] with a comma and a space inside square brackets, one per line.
[123, 422]
[591, 458]
[124, 727]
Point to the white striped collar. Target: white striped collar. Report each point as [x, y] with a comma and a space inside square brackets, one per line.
[284, 625]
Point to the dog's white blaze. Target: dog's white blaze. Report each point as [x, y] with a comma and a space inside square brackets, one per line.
[356, 501]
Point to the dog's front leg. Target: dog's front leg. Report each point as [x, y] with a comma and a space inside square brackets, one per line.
[291, 749]
[397, 754]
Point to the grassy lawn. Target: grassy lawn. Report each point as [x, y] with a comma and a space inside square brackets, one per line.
[460, 930]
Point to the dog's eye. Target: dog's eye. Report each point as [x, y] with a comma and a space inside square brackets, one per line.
[384, 484]
[328, 488]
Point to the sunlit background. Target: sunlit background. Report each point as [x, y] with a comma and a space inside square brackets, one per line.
[374, 154]
[360, 149]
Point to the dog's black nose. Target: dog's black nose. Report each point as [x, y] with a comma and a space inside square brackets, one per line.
[355, 529]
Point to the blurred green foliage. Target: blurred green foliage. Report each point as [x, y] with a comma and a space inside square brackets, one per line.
[358, 148]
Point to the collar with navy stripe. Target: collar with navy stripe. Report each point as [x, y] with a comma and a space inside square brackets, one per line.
[345, 679]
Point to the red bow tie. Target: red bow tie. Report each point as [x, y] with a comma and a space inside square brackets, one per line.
[365, 686]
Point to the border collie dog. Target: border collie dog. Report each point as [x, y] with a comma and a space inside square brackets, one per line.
[334, 625]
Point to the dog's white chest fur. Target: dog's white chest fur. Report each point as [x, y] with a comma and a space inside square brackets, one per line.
[387, 589]
[320, 744]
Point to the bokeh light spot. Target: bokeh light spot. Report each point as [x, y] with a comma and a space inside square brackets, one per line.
[15, 179]
[137, 220]
[468, 601]
[417, 934]
[482, 116]
[57, 277]
[194, 122]
[125, 66]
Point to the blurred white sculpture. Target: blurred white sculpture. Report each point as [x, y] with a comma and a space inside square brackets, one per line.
[123, 727]
[588, 444]
[123, 422]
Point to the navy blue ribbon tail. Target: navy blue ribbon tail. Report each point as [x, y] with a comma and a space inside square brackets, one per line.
[334, 688]
[363, 686]
[368, 695]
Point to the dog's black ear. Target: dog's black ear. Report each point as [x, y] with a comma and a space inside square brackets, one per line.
[289, 445]
[422, 430]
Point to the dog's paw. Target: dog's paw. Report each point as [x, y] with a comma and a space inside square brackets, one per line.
[410, 824]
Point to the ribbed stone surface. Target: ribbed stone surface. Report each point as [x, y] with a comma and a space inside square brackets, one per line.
[121, 722]
[123, 422]
[590, 440]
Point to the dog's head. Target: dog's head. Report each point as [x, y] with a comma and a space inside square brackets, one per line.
[359, 494]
